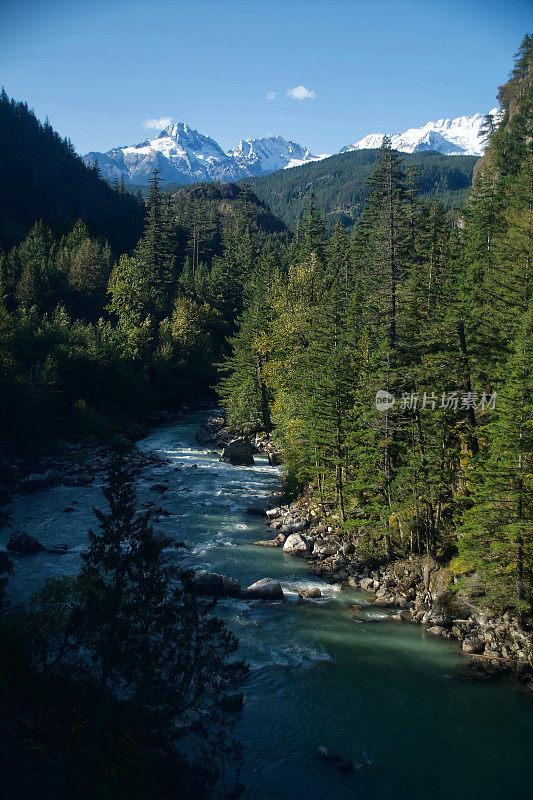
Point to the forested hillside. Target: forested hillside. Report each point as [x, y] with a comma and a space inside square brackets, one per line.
[91, 342]
[339, 184]
[42, 178]
[394, 365]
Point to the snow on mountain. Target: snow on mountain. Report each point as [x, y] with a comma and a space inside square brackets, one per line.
[185, 156]
[260, 156]
[181, 153]
[465, 136]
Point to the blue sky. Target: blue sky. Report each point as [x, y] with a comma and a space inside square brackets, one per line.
[99, 70]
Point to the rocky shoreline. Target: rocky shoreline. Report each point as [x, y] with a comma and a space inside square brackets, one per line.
[418, 590]
[75, 463]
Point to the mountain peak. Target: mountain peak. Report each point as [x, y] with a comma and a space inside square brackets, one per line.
[183, 155]
[464, 135]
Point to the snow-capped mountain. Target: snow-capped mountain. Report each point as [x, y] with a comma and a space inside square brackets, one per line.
[464, 136]
[269, 154]
[185, 156]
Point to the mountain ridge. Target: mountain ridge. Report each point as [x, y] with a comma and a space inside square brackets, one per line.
[185, 156]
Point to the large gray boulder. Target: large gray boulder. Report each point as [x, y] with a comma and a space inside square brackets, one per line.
[296, 544]
[238, 452]
[265, 589]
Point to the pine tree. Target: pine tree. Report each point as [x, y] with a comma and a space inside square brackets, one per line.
[155, 250]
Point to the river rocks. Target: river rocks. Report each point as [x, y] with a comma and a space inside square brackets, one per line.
[326, 548]
[215, 585]
[296, 544]
[436, 630]
[293, 527]
[473, 645]
[274, 459]
[279, 541]
[238, 452]
[265, 589]
[22, 544]
[367, 584]
[213, 432]
[159, 487]
[310, 594]
[36, 481]
[273, 513]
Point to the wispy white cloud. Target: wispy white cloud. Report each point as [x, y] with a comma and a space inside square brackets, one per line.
[157, 124]
[271, 95]
[301, 93]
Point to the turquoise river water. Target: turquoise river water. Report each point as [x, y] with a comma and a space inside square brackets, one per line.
[321, 674]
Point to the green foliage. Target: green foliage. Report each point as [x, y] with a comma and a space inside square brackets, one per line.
[44, 179]
[108, 666]
[339, 184]
[439, 317]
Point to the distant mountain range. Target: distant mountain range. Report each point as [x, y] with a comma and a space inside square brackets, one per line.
[462, 136]
[185, 156]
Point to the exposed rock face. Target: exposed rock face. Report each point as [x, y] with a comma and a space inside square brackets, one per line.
[215, 585]
[238, 452]
[22, 544]
[265, 589]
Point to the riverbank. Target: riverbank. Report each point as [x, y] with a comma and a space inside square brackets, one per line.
[331, 671]
[77, 463]
[416, 590]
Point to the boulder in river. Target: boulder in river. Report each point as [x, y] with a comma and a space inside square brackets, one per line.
[310, 594]
[265, 589]
[296, 544]
[238, 452]
[22, 544]
[215, 585]
[278, 541]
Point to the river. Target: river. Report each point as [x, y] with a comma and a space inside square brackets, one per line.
[321, 674]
